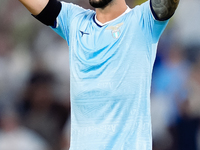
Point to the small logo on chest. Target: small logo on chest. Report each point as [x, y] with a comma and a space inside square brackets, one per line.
[115, 30]
[83, 33]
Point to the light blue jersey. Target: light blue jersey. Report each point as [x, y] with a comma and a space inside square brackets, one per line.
[110, 70]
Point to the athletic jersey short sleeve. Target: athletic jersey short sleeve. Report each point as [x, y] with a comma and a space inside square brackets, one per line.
[64, 20]
[110, 77]
[151, 25]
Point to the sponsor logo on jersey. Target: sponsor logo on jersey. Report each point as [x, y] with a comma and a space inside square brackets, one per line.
[115, 30]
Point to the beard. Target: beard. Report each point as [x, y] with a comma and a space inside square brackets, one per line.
[99, 3]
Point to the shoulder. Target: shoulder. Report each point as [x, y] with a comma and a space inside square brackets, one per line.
[142, 7]
[66, 5]
[145, 10]
[139, 11]
[71, 8]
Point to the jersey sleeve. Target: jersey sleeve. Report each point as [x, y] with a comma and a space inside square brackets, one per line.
[150, 25]
[65, 19]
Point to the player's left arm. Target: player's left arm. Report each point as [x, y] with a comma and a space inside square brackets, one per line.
[163, 9]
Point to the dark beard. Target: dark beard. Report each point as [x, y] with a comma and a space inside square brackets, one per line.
[100, 3]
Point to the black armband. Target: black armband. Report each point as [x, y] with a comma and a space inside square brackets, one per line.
[49, 14]
[152, 11]
[163, 9]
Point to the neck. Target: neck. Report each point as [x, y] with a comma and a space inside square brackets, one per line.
[112, 11]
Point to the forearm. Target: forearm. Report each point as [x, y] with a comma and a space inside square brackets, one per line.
[34, 6]
[164, 9]
[46, 11]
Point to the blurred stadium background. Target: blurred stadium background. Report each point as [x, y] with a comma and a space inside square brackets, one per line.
[34, 82]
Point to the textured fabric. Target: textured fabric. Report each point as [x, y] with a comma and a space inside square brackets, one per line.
[110, 70]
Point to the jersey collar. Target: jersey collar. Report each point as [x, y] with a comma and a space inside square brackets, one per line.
[103, 24]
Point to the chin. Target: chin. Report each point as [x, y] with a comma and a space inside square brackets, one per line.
[99, 3]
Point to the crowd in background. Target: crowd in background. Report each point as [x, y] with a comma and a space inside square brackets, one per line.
[34, 82]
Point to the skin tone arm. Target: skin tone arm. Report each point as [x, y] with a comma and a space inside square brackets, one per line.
[113, 10]
[164, 9]
[34, 6]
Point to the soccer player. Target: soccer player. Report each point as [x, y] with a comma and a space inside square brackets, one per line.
[112, 52]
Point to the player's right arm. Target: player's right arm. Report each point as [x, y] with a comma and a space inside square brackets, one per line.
[45, 11]
[34, 6]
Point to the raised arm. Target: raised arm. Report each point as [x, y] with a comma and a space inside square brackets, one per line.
[45, 11]
[34, 6]
[163, 9]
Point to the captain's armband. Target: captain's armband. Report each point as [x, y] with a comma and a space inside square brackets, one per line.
[49, 14]
[163, 9]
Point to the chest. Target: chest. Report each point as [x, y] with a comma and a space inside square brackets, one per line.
[90, 40]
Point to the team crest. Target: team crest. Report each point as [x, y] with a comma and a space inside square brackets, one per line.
[115, 30]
